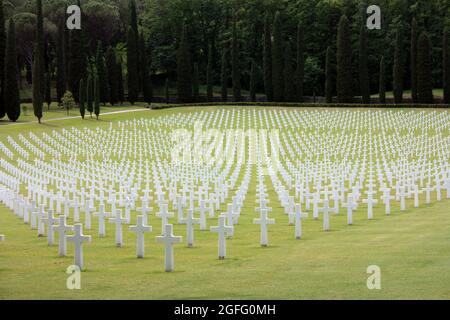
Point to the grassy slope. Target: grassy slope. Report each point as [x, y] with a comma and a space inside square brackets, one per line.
[410, 247]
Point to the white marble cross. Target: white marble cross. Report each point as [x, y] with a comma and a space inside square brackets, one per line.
[118, 220]
[202, 209]
[326, 209]
[140, 228]
[101, 214]
[264, 221]
[2, 237]
[62, 229]
[78, 239]
[164, 214]
[370, 202]
[387, 200]
[169, 239]
[50, 221]
[40, 223]
[189, 221]
[298, 216]
[222, 229]
[350, 205]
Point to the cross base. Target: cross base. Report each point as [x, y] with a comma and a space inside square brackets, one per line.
[298, 238]
[264, 245]
[41, 236]
[118, 245]
[190, 245]
[2, 237]
[221, 258]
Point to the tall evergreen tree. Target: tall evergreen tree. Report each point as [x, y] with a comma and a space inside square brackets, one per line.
[147, 86]
[2, 59]
[224, 77]
[184, 69]
[382, 82]
[424, 70]
[113, 77]
[102, 74]
[300, 71]
[96, 96]
[446, 65]
[268, 59]
[166, 91]
[413, 66]
[196, 83]
[235, 68]
[209, 75]
[48, 89]
[11, 95]
[289, 84]
[398, 67]
[77, 62]
[329, 76]
[90, 95]
[37, 85]
[133, 23]
[40, 46]
[277, 60]
[344, 79]
[253, 81]
[364, 80]
[132, 65]
[82, 99]
[61, 80]
[120, 84]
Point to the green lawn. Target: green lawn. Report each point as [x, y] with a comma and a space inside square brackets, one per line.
[407, 94]
[412, 249]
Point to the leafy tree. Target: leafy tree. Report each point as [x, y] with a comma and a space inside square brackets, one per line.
[300, 71]
[2, 60]
[235, 68]
[446, 65]
[277, 60]
[414, 30]
[364, 80]
[224, 77]
[11, 94]
[132, 65]
[344, 80]
[184, 69]
[382, 81]
[102, 74]
[68, 101]
[398, 67]
[209, 75]
[424, 70]
[289, 84]
[82, 99]
[37, 86]
[329, 76]
[268, 59]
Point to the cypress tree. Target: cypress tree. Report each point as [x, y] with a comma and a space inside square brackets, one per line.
[224, 77]
[382, 82]
[235, 69]
[398, 67]
[40, 46]
[77, 62]
[446, 65]
[184, 69]
[253, 81]
[268, 59]
[82, 98]
[119, 74]
[2, 59]
[209, 75]
[166, 91]
[413, 65]
[96, 97]
[113, 81]
[329, 76]
[277, 60]
[344, 79]
[37, 85]
[300, 72]
[289, 85]
[132, 64]
[147, 87]
[102, 74]
[364, 80]
[48, 89]
[11, 94]
[196, 83]
[424, 70]
[61, 81]
[134, 25]
[89, 95]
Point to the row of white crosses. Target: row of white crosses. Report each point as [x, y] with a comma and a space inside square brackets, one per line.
[330, 159]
